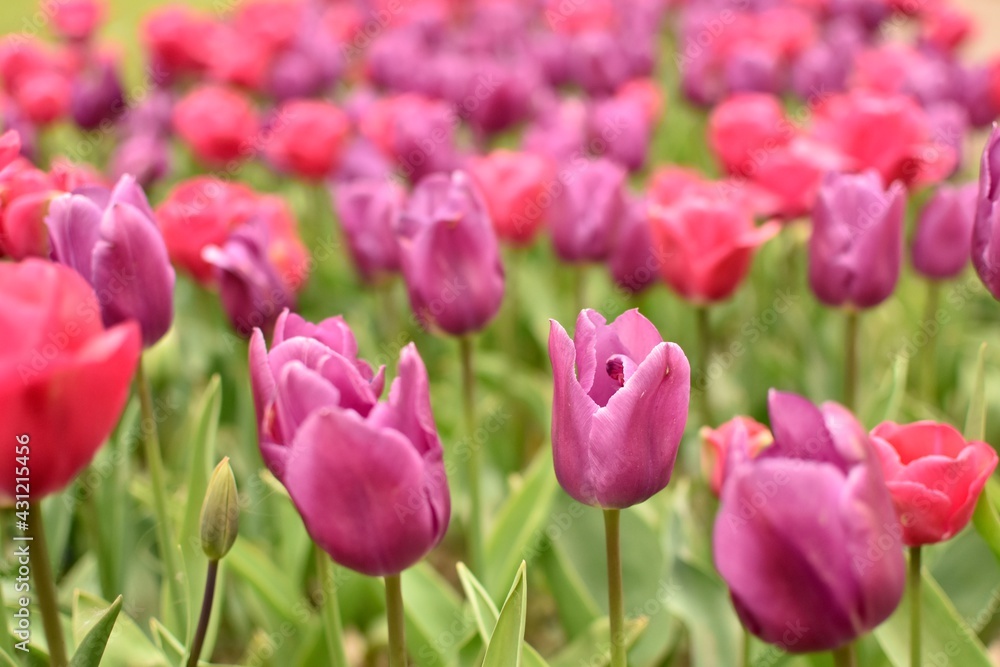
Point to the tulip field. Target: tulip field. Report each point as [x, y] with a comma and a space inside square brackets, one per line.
[501, 333]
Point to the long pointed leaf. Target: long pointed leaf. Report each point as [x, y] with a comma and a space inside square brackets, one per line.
[505, 647]
[91, 649]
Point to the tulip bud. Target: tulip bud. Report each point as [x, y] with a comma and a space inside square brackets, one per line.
[986, 231]
[220, 512]
[307, 138]
[450, 255]
[944, 232]
[857, 239]
[218, 123]
[97, 95]
[586, 215]
[367, 209]
[517, 189]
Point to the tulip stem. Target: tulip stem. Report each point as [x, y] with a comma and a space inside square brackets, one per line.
[746, 648]
[705, 340]
[475, 535]
[198, 641]
[579, 288]
[851, 360]
[845, 656]
[45, 586]
[914, 586]
[154, 462]
[330, 610]
[929, 375]
[616, 598]
[394, 613]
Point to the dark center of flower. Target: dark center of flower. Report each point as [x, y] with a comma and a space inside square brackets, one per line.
[616, 370]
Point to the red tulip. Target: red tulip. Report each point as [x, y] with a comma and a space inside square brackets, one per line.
[746, 129]
[517, 188]
[934, 476]
[706, 244]
[307, 138]
[178, 40]
[743, 434]
[67, 378]
[218, 123]
[76, 20]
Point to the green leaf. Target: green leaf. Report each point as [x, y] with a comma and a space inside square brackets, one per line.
[946, 636]
[200, 439]
[435, 623]
[166, 642]
[505, 646]
[520, 520]
[899, 372]
[985, 518]
[575, 601]
[486, 614]
[592, 647]
[91, 649]
[127, 645]
[700, 599]
[274, 587]
[6, 660]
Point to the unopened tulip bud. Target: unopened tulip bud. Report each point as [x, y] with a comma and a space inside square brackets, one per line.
[220, 512]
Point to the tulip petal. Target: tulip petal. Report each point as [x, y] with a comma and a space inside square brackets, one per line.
[301, 391]
[800, 431]
[74, 224]
[573, 412]
[362, 492]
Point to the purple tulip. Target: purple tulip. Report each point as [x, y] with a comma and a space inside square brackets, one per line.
[949, 127]
[819, 71]
[424, 141]
[97, 95]
[806, 536]
[367, 210]
[560, 130]
[619, 129]
[111, 239]
[367, 478]
[619, 407]
[584, 218]
[146, 156]
[152, 116]
[753, 71]
[857, 240]
[633, 263]
[975, 94]
[941, 246]
[450, 255]
[362, 159]
[252, 291]
[308, 68]
[600, 62]
[986, 231]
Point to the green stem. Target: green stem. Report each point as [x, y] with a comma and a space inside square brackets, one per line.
[746, 648]
[198, 641]
[45, 586]
[157, 476]
[394, 613]
[330, 610]
[929, 375]
[579, 288]
[475, 536]
[92, 525]
[705, 340]
[851, 360]
[914, 585]
[616, 598]
[845, 656]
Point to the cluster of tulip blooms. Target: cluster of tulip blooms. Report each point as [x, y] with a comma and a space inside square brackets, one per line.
[443, 140]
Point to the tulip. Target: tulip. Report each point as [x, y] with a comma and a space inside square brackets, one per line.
[634, 262]
[621, 129]
[22, 225]
[706, 245]
[856, 243]
[367, 210]
[941, 246]
[10, 147]
[986, 230]
[76, 20]
[517, 189]
[754, 70]
[145, 156]
[325, 436]
[450, 256]
[178, 40]
[69, 377]
[307, 138]
[252, 291]
[620, 404]
[806, 537]
[559, 132]
[111, 239]
[218, 123]
[746, 129]
[416, 132]
[97, 95]
[586, 214]
[731, 443]
[934, 477]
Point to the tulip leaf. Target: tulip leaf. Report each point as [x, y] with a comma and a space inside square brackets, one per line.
[486, 613]
[985, 518]
[435, 623]
[6, 660]
[700, 599]
[899, 373]
[945, 635]
[505, 645]
[201, 442]
[592, 647]
[274, 587]
[91, 649]
[575, 601]
[520, 523]
[166, 642]
[127, 645]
